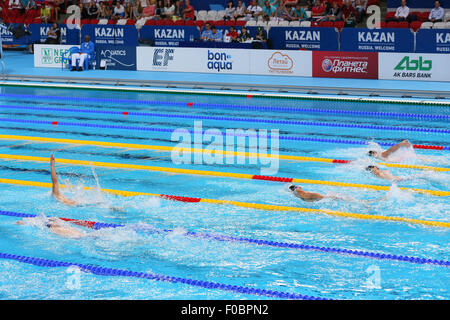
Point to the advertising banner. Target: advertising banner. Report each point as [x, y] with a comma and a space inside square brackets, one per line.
[279, 62]
[169, 36]
[49, 55]
[9, 39]
[433, 41]
[111, 34]
[414, 66]
[377, 40]
[326, 39]
[117, 57]
[68, 35]
[354, 65]
[203, 60]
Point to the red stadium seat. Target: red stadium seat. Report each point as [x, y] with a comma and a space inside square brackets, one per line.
[423, 16]
[230, 23]
[168, 22]
[112, 21]
[382, 24]
[403, 24]
[150, 22]
[85, 21]
[415, 25]
[189, 23]
[390, 15]
[339, 25]
[179, 23]
[93, 21]
[392, 24]
[327, 24]
[220, 23]
[240, 23]
[372, 2]
[159, 22]
[130, 22]
[200, 23]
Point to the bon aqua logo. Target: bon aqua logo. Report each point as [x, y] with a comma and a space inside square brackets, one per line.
[219, 61]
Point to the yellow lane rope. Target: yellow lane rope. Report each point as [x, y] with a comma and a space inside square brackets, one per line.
[245, 204]
[194, 150]
[217, 174]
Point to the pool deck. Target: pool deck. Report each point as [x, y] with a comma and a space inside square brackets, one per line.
[19, 70]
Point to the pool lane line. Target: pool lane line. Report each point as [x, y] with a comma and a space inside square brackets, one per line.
[225, 238]
[237, 119]
[219, 174]
[231, 106]
[167, 130]
[103, 271]
[194, 150]
[258, 206]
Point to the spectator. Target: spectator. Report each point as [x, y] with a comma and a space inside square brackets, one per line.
[147, 13]
[30, 5]
[178, 11]
[53, 35]
[46, 14]
[188, 12]
[83, 11]
[348, 14]
[104, 12]
[245, 35]
[232, 35]
[239, 12]
[119, 11]
[14, 5]
[275, 3]
[290, 3]
[318, 10]
[282, 13]
[437, 13]
[92, 10]
[169, 10]
[129, 11]
[159, 9]
[298, 13]
[59, 6]
[261, 35]
[268, 10]
[334, 13]
[253, 11]
[86, 51]
[360, 7]
[229, 11]
[216, 35]
[401, 14]
[206, 33]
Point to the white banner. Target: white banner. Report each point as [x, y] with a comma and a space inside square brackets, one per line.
[414, 66]
[49, 55]
[235, 61]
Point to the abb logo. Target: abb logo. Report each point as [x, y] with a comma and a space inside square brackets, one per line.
[359, 65]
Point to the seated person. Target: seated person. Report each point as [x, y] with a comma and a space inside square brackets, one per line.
[299, 13]
[239, 11]
[188, 12]
[437, 13]
[261, 35]
[360, 7]
[86, 52]
[268, 11]
[245, 35]
[290, 3]
[401, 14]
[216, 35]
[46, 14]
[348, 14]
[232, 35]
[104, 11]
[384, 155]
[168, 10]
[282, 13]
[92, 10]
[253, 11]
[334, 13]
[318, 10]
[229, 11]
[53, 35]
[59, 6]
[206, 33]
[118, 12]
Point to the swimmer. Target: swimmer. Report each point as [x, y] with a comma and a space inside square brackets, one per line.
[383, 174]
[311, 196]
[384, 155]
[60, 228]
[55, 187]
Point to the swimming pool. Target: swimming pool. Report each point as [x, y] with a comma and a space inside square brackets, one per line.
[221, 230]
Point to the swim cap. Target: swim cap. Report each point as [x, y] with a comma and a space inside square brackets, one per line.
[292, 187]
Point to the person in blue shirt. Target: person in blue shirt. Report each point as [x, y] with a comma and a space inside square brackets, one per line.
[215, 35]
[206, 34]
[86, 51]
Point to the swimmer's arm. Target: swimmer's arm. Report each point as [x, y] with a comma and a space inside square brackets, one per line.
[309, 196]
[391, 150]
[67, 232]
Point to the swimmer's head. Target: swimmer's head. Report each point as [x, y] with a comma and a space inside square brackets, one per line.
[370, 168]
[294, 187]
[372, 153]
[52, 222]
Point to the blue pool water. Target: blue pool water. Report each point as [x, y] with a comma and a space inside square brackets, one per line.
[98, 116]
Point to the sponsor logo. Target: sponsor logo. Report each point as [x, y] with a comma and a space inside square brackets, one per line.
[345, 65]
[338, 65]
[169, 33]
[443, 38]
[376, 36]
[414, 64]
[327, 65]
[219, 61]
[108, 32]
[302, 35]
[161, 57]
[47, 56]
[44, 30]
[280, 63]
[113, 57]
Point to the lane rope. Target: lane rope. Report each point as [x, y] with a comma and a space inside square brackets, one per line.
[194, 150]
[103, 271]
[251, 205]
[220, 174]
[222, 118]
[218, 237]
[242, 107]
[154, 129]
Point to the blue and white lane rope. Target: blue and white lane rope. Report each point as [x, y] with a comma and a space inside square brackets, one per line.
[239, 107]
[102, 271]
[152, 129]
[287, 245]
[237, 119]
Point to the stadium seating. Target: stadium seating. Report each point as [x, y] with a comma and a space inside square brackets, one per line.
[426, 25]
[439, 25]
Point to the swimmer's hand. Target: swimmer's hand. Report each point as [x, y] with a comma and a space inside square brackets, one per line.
[20, 222]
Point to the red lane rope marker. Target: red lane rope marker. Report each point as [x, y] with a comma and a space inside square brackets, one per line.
[55, 123]
[280, 179]
[341, 161]
[83, 223]
[125, 113]
[190, 104]
[180, 198]
[421, 146]
[249, 96]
